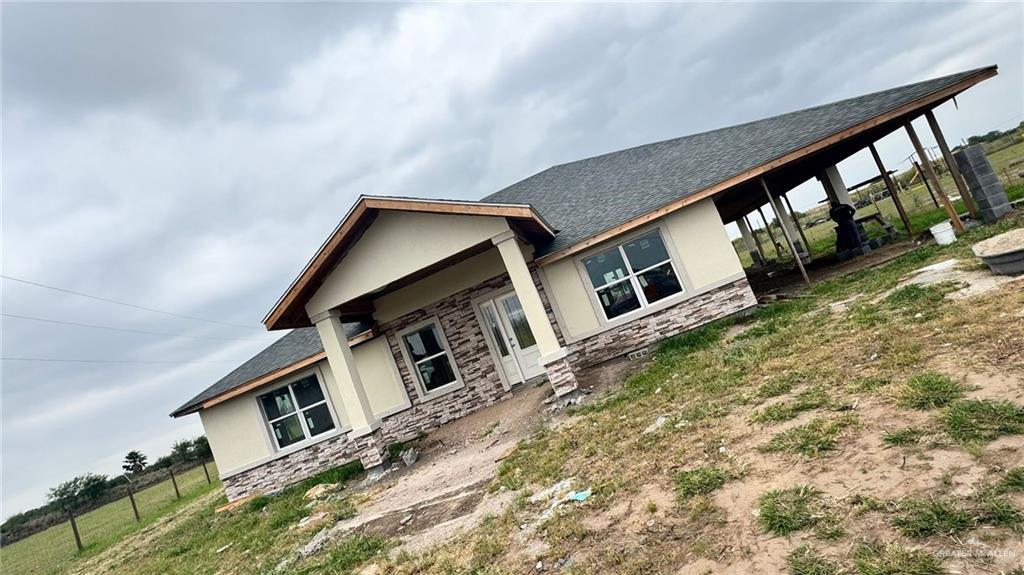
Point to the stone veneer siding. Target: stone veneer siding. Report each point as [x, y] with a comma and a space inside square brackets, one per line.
[482, 387]
[663, 324]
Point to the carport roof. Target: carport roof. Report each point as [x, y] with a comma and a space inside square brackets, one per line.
[592, 199]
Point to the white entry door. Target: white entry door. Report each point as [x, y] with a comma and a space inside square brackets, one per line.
[506, 325]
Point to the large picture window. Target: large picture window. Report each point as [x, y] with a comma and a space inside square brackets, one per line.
[431, 359]
[632, 275]
[297, 411]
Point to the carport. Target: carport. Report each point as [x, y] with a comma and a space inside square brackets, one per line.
[833, 133]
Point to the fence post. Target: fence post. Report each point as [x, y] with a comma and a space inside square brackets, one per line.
[135, 508]
[74, 530]
[175, 483]
[207, 472]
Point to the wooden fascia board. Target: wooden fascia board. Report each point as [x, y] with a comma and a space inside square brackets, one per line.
[763, 169]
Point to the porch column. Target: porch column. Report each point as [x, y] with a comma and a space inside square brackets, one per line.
[552, 354]
[834, 186]
[346, 376]
[748, 240]
[788, 227]
[954, 170]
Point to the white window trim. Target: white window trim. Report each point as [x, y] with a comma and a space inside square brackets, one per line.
[421, 389]
[645, 308]
[339, 428]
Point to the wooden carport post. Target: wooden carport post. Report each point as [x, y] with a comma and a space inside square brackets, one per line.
[785, 232]
[757, 240]
[953, 217]
[927, 184]
[954, 170]
[892, 188]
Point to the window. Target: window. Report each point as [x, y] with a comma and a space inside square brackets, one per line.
[297, 411]
[632, 275]
[431, 360]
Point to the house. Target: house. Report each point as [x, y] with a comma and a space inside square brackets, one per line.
[416, 312]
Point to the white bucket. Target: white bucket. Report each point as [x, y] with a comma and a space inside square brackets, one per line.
[943, 233]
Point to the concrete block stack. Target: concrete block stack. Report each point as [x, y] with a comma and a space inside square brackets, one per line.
[983, 183]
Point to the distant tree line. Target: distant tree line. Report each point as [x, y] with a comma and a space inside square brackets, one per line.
[91, 490]
[994, 135]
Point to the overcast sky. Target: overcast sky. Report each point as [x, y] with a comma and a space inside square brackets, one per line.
[192, 158]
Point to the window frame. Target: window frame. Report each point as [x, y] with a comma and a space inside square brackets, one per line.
[632, 277]
[339, 425]
[411, 364]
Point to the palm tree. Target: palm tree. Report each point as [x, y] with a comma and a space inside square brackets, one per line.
[134, 462]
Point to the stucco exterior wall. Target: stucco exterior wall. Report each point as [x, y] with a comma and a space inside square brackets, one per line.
[379, 373]
[396, 245]
[235, 431]
[699, 245]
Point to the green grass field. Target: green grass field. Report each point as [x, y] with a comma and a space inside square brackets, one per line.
[916, 201]
[53, 551]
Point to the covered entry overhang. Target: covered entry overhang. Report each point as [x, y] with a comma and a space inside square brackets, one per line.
[354, 303]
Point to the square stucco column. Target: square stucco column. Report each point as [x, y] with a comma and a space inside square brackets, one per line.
[834, 186]
[552, 354]
[748, 240]
[346, 376]
[787, 221]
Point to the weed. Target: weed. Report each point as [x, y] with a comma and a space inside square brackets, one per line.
[805, 560]
[650, 507]
[905, 436]
[695, 339]
[928, 391]
[340, 474]
[775, 387]
[894, 559]
[921, 518]
[783, 511]
[920, 301]
[980, 420]
[866, 503]
[812, 439]
[699, 481]
[996, 509]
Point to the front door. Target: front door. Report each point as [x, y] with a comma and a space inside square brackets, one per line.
[505, 323]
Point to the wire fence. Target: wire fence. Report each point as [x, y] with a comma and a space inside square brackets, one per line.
[48, 550]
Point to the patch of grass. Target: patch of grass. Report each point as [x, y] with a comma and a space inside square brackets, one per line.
[1013, 480]
[699, 481]
[868, 384]
[349, 554]
[701, 411]
[257, 503]
[866, 503]
[905, 436]
[694, 340]
[775, 387]
[894, 559]
[806, 560]
[812, 398]
[340, 474]
[981, 420]
[929, 391]
[811, 439]
[996, 509]
[783, 511]
[920, 301]
[922, 518]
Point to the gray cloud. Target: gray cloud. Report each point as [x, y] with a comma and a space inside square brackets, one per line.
[191, 157]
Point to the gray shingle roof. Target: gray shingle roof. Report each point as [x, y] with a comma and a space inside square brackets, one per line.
[584, 198]
[295, 346]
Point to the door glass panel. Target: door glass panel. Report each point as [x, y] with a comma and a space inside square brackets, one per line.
[492, 325]
[424, 343]
[307, 391]
[517, 318]
[277, 403]
[605, 267]
[288, 431]
[659, 282]
[618, 299]
[318, 419]
[645, 251]
[436, 372]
